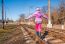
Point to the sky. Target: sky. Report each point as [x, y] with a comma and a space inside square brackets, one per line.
[14, 8]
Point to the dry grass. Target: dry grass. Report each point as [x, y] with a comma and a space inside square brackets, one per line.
[4, 33]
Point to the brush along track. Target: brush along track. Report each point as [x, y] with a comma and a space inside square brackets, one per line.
[26, 35]
[15, 37]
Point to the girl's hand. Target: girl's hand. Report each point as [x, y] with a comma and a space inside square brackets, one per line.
[46, 17]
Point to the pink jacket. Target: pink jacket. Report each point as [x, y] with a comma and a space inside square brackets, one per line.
[38, 16]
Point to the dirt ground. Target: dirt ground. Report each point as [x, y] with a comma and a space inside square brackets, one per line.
[55, 36]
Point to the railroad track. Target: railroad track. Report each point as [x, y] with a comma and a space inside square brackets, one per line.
[50, 39]
[26, 35]
[31, 34]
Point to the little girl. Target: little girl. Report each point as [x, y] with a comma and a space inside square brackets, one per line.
[38, 20]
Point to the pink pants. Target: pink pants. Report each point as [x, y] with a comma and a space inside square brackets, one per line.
[38, 27]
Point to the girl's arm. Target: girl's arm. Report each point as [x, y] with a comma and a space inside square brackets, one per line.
[31, 16]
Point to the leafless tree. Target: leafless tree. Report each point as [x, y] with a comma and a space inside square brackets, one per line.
[62, 12]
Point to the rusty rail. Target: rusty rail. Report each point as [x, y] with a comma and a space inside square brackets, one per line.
[33, 35]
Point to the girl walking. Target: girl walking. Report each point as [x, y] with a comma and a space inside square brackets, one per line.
[38, 21]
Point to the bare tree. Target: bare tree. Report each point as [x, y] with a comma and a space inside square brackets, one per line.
[62, 12]
[54, 16]
[44, 9]
[22, 18]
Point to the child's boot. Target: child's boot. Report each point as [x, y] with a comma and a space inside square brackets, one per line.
[43, 36]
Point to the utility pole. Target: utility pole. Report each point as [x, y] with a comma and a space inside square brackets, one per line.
[5, 17]
[49, 25]
[3, 13]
